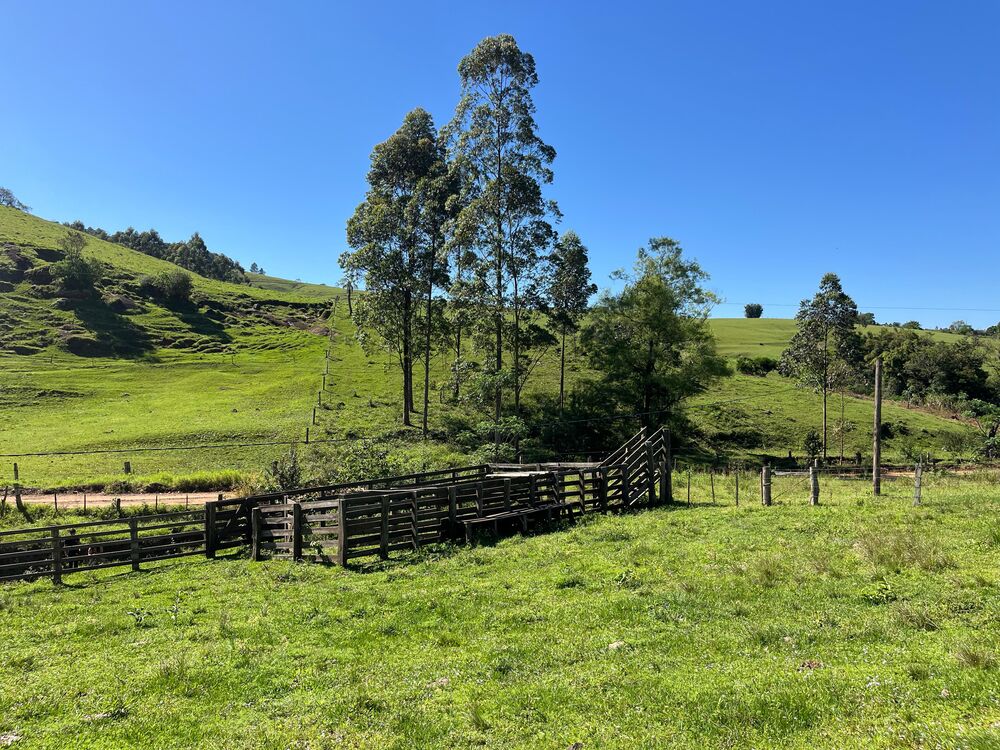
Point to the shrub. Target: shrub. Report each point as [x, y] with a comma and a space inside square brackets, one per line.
[813, 444]
[76, 273]
[753, 310]
[759, 366]
[172, 286]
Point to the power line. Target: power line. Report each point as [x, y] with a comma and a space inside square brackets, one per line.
[876, 307]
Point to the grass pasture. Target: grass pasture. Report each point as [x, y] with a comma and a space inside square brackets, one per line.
[860, 623]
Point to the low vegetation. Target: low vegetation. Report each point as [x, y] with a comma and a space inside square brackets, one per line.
[858, 623]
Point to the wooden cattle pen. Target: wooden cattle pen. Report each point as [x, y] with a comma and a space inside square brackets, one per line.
[338, 523]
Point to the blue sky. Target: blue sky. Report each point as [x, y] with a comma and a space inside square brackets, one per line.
[775, 140]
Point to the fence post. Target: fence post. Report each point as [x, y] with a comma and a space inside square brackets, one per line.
[813, 486]
[711, 478]
[57, 551]
[383, 545]
[342, 532]
[626, 489]
[918, 472]
[296, 531]
[650, 474]
[210, 529]
[255, 533]
[414, 519]
[765, 485]
[737, 475]
[556, 486]
[506, 493]
[602, 487]
[453, 508]
[133, 542]
[666, 480]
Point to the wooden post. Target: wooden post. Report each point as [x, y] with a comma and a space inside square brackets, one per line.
[84, 502]
[118, 506]
[602, 487]
[342, 532]
[737, 475]
[319, 398]
[209, 529]
[765, 485]
[383, 545]
[711, 478]
[128, 467]
[415, 519]
[296, 530]
[689, 486]
[667, 489]
[16, 475]
[55, 502]
[57, 555]
[813, 486]
[324, 381]
[556, 489]
[453, 509]
[506, 493]
[626, 486]
[314, 417]
[650, 474]
[877, 431]
[133, 542]
[255, 534]
[918, 472]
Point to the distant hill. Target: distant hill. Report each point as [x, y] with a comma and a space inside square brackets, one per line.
[124, 319]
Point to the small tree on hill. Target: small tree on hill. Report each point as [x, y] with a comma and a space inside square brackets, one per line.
[651, 341]
[826, 350]
[8, 199]
[569, 291]
[753, 310]
[74, 272]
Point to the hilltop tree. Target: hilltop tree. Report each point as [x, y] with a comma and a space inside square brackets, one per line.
[8, 199]
[753, 310]
[75, 272]
[504, 216]
[825, 351]
[570, 289]
[651, 341]
[397, 236]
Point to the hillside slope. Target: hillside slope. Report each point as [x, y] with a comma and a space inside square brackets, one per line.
[244, 364]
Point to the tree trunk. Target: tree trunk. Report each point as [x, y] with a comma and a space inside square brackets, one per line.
[824, 421]
[427, 339]
[407, 360]
[350, 304]
[562, 372]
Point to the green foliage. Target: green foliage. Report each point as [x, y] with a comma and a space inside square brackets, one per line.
[76, 273]
[753, 310]
[650, 342]
[172, 286]
[285, 472]
[759, 366]
[813, 444]
[9, 200]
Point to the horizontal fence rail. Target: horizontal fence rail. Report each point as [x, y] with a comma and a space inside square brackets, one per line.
[54, 551]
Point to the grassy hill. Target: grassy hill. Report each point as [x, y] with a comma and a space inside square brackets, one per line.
[245, 363]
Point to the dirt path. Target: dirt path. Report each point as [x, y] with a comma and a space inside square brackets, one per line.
[75, 500]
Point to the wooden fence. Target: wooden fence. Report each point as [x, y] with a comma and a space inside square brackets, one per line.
[337, 523]
[341, 522]
[54, 551]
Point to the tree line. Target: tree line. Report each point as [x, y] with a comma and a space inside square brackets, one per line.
[192, 254]
[456, 249]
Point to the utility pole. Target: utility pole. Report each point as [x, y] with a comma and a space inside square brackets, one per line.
[877, 431]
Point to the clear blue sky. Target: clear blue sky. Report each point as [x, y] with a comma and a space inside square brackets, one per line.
[775, 140]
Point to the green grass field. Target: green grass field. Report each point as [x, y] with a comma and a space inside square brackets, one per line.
[245, 364]
[860, 623]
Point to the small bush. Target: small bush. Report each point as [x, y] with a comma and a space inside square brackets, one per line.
[759, 366]
[76, 273]
[170, 286]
